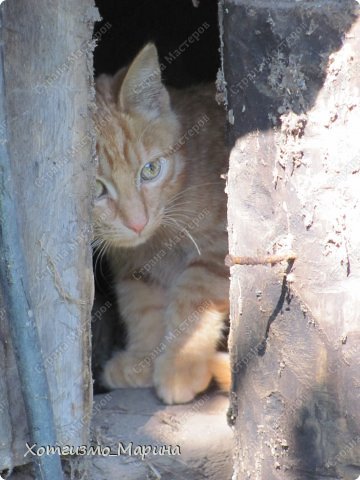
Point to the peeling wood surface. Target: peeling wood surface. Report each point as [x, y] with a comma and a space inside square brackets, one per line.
[48, 69]
[293, 184]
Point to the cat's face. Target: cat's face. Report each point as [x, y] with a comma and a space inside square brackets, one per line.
[138, 174]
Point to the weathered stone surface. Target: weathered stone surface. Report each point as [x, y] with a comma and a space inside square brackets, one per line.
[276, 55]
[294, 184]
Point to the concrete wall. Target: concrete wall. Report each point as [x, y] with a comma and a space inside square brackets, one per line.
[291, 72]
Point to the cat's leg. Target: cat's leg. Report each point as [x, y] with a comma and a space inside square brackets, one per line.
[142, 308]
[194, 320]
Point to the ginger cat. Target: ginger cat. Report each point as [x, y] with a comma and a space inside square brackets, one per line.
[160, 213]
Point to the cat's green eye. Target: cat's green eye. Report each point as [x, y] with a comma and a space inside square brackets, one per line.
[151, 170]
[100, 189]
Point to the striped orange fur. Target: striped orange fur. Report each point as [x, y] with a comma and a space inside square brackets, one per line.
[160, 217]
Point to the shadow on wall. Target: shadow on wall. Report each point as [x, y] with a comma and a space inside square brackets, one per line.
[327, 442]
[278, 63]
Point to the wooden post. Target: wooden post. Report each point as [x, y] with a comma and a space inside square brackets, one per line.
[292, 76]
[48, 78]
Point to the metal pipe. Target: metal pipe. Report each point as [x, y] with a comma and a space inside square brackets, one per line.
[23, 328]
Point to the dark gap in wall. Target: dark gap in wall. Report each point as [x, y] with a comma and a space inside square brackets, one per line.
[167, 23]
[187, 39]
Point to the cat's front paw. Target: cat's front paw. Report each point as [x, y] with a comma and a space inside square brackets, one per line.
[126, 369]
[179, 379]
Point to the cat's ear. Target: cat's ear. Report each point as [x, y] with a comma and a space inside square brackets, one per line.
[142, 90]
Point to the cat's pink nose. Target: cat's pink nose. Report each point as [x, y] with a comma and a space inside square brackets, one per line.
[137, 226]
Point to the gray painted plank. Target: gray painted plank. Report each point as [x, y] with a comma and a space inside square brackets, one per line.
[48, 77]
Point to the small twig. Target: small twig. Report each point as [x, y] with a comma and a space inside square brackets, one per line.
[230, 260]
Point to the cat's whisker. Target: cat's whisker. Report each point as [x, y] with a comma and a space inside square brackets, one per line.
[168, 223]
[185, 219]
[105, 250]
[183, 208]
[95, 243]
[110, 234]
[181, 228]
[188, 196]
[194, 203]
[99, 252]
[182, 192]
[189, 202]
[179, 206]
[189, 212]
[184, 195]
[178, 220]
[192, 239]
[170, 227]
[180, 211]
[168, 231]
[191, 187]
